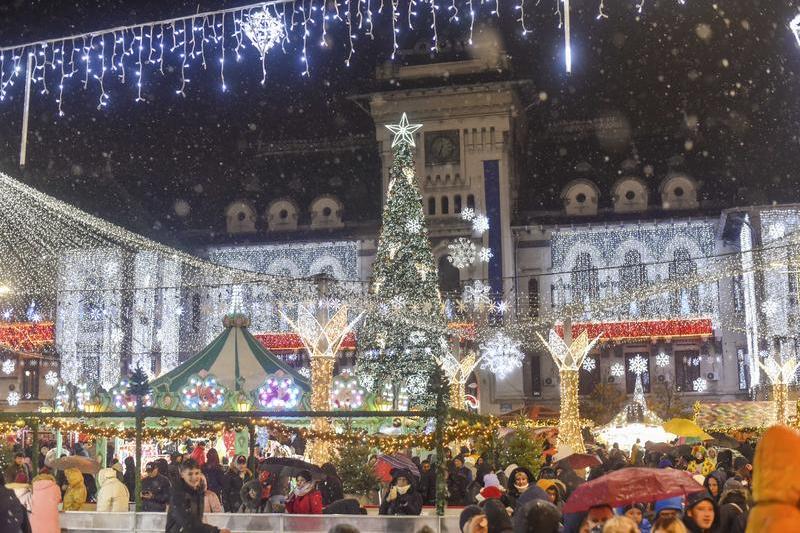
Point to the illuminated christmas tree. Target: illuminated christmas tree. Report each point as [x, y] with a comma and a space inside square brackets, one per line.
[393, 348]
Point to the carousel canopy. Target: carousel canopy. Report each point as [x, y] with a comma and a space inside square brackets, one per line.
[235, 358]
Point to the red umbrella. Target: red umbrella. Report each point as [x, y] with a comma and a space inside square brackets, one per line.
[631, 485]
[577, 461]
[386, 463]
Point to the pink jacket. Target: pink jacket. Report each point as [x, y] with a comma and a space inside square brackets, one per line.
[44, 505]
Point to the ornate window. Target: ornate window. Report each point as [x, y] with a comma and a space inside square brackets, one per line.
[585, 279]
[633, 273]
[686, 300]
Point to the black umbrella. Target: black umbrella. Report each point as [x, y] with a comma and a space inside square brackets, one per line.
[286, 466]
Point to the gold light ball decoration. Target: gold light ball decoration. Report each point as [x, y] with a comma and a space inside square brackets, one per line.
[20, 423]
[186, 424]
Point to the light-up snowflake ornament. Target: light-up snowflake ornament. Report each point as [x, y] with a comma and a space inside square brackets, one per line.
[589, 364]
[51, 378]
[416, 337]
[8, 366]
[480, 224]
[13, 398]
[485, 254]
[467, 214]
[263, 29]
[699, 385]
[476, 294]
[662, 360]
[500, 355]
[638, 365]
[462, 253]
[413, 225]
[617, 370]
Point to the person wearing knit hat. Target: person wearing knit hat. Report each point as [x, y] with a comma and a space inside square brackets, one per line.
[669, 507]
[491, 480]
[488, 493]
[701, 513]
[470, 517]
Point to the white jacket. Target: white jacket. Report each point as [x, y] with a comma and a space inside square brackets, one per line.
[113, 494]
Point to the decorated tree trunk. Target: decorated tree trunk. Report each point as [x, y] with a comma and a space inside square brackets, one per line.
[319, 452]
[569, 422]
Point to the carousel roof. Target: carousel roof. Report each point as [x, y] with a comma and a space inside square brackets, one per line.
[235, 358]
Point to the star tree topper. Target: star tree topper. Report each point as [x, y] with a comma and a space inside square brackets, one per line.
[403, 132]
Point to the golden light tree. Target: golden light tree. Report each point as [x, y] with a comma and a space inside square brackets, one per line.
[457, 373]
[780, 375]
[322, 336]
[569, 357]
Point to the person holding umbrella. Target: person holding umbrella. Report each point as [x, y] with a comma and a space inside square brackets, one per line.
[402, 498]
[305, 498]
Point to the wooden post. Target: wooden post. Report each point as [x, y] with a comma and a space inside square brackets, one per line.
[23, 148]
[34, 446]
[139, 425]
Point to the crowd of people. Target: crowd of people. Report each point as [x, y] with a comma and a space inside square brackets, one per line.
[493, 498]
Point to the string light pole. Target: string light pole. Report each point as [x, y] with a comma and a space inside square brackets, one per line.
[568, 355]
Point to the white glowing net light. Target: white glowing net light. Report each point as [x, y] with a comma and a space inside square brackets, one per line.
[501, 355]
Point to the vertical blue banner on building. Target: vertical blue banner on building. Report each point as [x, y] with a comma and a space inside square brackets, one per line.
[491, 184]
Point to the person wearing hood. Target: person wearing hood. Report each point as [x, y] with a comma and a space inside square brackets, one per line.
[305, 498]
[13, 515]
[402, 498]
[555, 490]
[497, 517]
[734, 509]
[427, 483]
[714, 483]
[75, 495]
[45, 497]
[129, 477]
[113, 494]
[701, 514]
[537, 516]
[635, 511]
[256, 492]
[669, 508]
[18, 471]
[331, 487]
[521, 488]
[155, 489]
[473, 520]
[187, 501]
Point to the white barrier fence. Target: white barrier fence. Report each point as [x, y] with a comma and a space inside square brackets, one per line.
[94, 522]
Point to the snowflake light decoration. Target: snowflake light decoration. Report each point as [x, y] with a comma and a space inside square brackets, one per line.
[462, 253]
[662, 360]
[485, 254]
[346, 392]
[8, 366]
[617, 370]
[589, 364]
[501, 307]
[417, 337]
[305, 372]
[13, 398]
[480, 224]
[203, 393]
[467, 214]
[263, 29]
[51, 378]
[699, 385]
[638, 365]
[279, 392]
[413, 225]
[476, 294]
[500, 355]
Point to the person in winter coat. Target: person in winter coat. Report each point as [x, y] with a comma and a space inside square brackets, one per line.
[13, 515]
[45, 498]
[714, 483]
[199, 454]
[129, 477]
[331, 487]
[497, 516]
[237, 475]
[213, 472]
[427, 483]
[113, 494]
[185, 514]
[155, 489]
[256, 492]
[305, 498]
[555, 491]
[75, 496]
[635, 512]
[456, 487]
[733, 511]
[521, 488]
[211, 503]
[776, 492]
[18, 471]
[701, 513]
[537, 516]
[402, 497]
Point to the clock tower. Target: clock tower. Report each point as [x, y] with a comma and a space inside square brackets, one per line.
[465, 151]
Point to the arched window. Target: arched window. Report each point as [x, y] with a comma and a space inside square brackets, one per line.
[585, 280]
[633, 273]
[445, 205]
[457, 204]
[686, 300]
[449, 277]
[471, 201]
[431, 206]
[533, 297]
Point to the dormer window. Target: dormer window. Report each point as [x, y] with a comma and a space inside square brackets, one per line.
[580, 197]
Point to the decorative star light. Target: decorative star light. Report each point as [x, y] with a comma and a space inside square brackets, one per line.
[662, 360]
[403, 132]
[501, 355]
[462, 253]
[8, 366]
[485, 254]
[263, 29]
[480, 224]
[699, 385]
[589, 364]
[51, 378]
[638, 365]
[617, 370]
[13, 398]
[477, 294]
[771, 308]
[7, 314]
[501, 307]
[413, 225]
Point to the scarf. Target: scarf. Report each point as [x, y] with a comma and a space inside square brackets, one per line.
[522, 488]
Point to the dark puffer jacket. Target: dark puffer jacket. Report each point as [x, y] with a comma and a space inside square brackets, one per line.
[409, 504]
[185, 513]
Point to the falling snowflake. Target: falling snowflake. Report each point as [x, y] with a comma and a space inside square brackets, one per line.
[662, 360]
[699, 385]
[476, 294]
[468, 214]
[462, 253]
[480, 224]
[416, 337]
[638, 365]
[501, 355]
[13, 398]
[414, 225]
[8, 366]
[589, 364]
[617, 370]
[695, 361]
[485, 254]
[51, 378]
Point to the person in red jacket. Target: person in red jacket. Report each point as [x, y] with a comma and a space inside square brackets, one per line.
[305, 498]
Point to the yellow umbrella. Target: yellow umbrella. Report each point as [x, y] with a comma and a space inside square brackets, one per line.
[685, 428]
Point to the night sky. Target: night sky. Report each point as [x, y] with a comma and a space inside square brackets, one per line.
[713, 91]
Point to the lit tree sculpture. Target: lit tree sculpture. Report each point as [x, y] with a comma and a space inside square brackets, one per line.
[322, 337]
[569, 358]
[780, 375]
[457, 373]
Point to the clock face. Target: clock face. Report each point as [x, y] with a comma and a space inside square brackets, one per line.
[442, 147]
